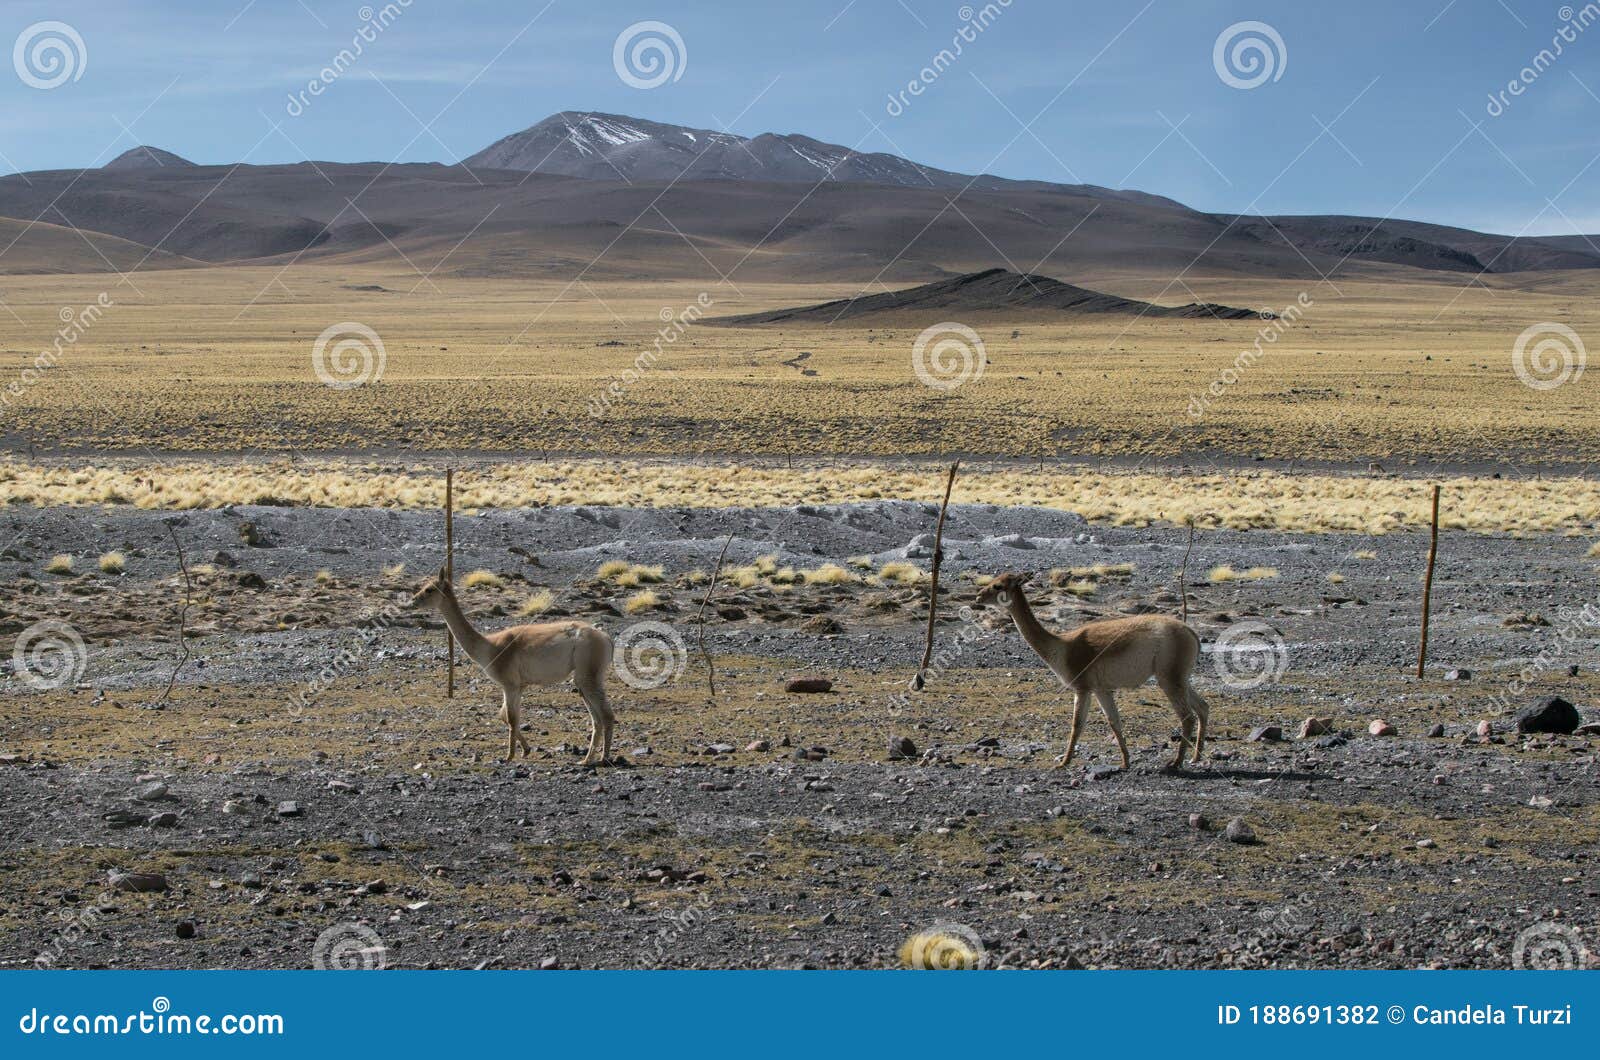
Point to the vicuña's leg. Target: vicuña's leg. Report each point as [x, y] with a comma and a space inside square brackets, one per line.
[1178, 695]
[512, 715]
[1108, 707]
[594, 694]
[1202, 712]
[1080, 712]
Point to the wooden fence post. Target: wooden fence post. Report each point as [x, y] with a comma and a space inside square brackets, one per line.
[1427, 584]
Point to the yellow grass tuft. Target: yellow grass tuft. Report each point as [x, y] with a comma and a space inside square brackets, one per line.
[1226, 573]
[1335, 578]
[828, 574]
[861, 562]
[537, 604]
[641, 601]
[113, 562]
[767, 564]
[59, 564]
[324, 577]
[1102, 570]
[786, 576]
[394, 571]
[1365, 554]
[900, 573]
[611, 568]
[482, 579]
[939, 951]
[1594, 550]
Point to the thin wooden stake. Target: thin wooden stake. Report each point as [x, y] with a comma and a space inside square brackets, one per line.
[711, 670]
[183, 614]
[449, 576]
[1183, 572]
[918, 682]
[1427, 584]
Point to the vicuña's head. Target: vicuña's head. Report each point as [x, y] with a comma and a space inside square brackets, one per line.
[1002, 589]
[433, 592]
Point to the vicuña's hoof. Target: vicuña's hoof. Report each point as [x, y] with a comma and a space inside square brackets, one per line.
[1062, 762]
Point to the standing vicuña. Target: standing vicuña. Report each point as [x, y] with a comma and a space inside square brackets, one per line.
[1099, 657]
[543, 654]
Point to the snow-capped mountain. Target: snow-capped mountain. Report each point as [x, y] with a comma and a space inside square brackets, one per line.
[614, 147]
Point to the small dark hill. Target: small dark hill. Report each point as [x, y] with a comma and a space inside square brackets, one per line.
[145, 157]
[982, 292]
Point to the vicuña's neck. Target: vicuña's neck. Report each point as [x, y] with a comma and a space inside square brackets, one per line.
[1038, 638]
[471, 641]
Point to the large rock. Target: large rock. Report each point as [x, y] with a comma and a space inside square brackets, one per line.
[1552, 714]
[809, 684]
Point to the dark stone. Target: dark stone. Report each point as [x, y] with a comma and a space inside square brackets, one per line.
[809, 684]
[1265, 733]
[1552, 714]
[901, 747]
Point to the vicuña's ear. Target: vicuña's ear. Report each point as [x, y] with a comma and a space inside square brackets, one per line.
[443, 575]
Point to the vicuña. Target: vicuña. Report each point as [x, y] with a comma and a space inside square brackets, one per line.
[543, 654]
[1099, 657]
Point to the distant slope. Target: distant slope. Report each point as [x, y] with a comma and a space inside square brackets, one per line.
[48, 248]
[993, 290]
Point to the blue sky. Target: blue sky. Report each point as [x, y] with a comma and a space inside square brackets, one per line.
[1373, 112]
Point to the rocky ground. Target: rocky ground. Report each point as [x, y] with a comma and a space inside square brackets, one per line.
[306, 793]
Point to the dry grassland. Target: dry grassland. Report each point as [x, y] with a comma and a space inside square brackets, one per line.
[219, 360]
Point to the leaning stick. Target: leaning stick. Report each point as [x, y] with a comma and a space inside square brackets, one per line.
[700, 619]
[918, 682]
[1183, 572]
[183, 613]
[449, 576]
[1427, 584]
